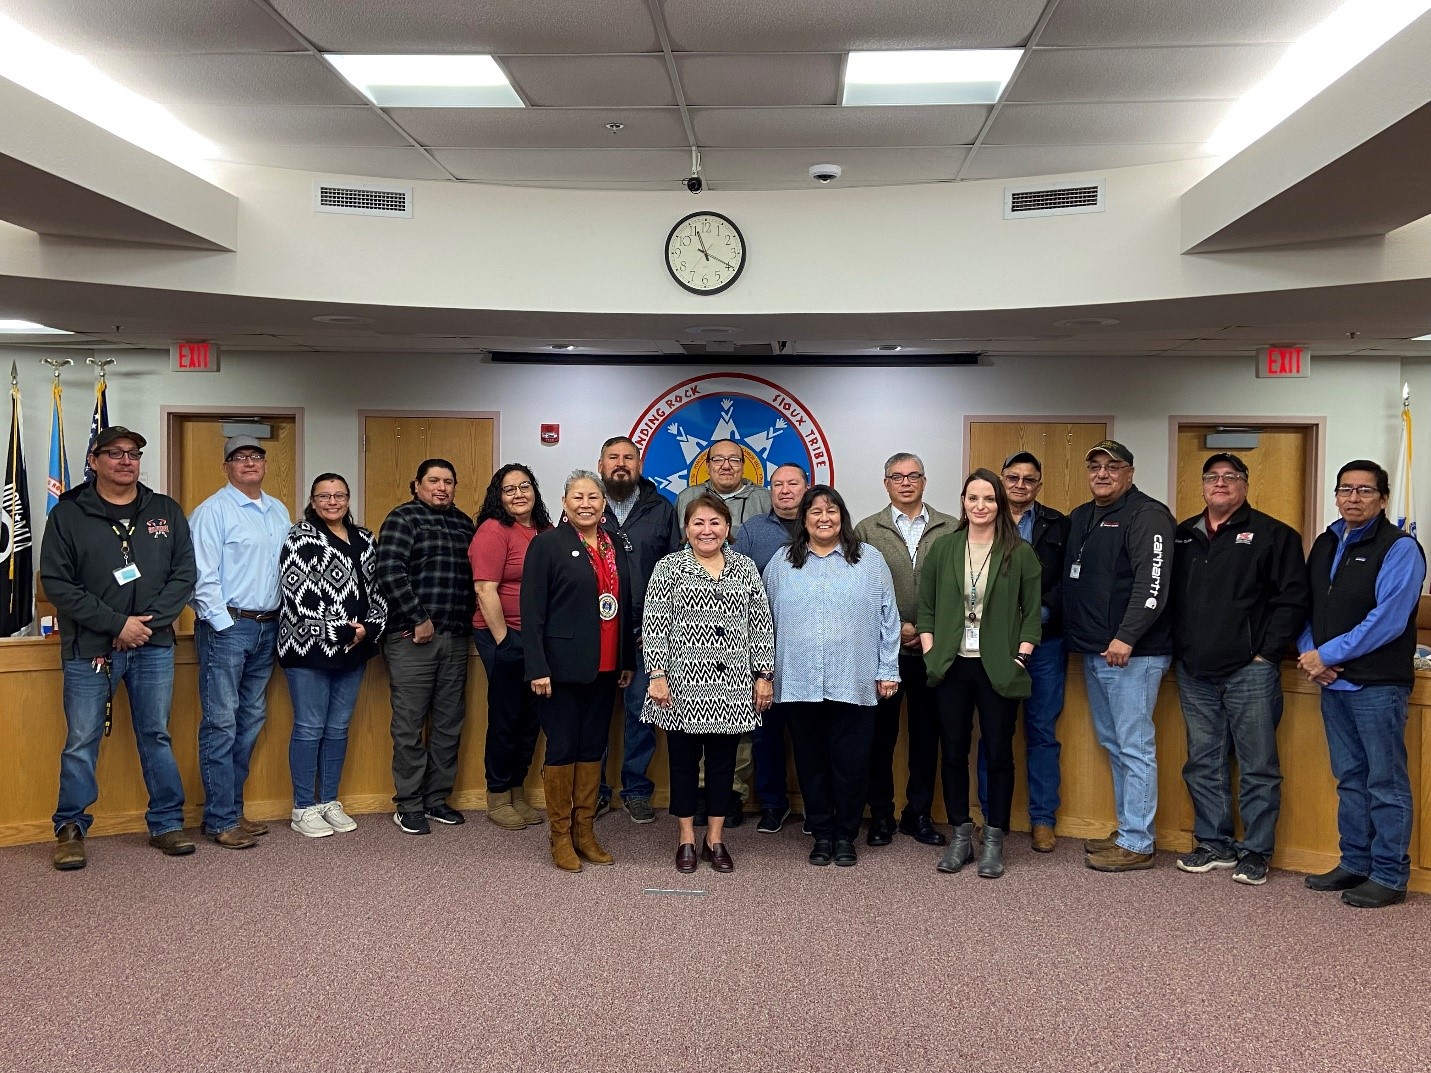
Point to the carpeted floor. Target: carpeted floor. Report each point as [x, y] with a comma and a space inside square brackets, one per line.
[467, 950]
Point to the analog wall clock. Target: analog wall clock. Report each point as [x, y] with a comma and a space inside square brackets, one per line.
[705, 252]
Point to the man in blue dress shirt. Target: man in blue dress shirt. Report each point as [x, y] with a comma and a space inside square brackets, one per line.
[238, 532]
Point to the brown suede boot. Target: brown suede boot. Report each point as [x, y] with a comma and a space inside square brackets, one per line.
[501, 812]
[557, 782]
[583, 814]
[530, 816]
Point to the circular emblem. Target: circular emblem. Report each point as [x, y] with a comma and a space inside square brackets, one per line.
[606, 606]
[771, 426]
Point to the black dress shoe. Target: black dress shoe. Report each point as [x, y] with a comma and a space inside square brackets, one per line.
[881, 832]
[686, 858]
[845, 854]
[822, 852]
[718, 855]
[1372, 895]
[1337, 879]
[921, 828]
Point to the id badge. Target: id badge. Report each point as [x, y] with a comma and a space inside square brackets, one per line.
[1074, 569]
[971, 638]
[127, 573]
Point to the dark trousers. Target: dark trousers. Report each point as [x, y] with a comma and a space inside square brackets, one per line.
[923, 743]
[966, 687]
[429, 689]
[768, 752]
[512, 724]
[685, 752]
[832, 758]
[577, 719]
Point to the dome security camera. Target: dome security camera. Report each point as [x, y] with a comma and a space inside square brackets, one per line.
[825, 173]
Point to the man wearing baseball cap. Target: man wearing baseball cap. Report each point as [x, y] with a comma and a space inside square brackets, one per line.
[238, 533]
[1240, 597]
[1117, 578]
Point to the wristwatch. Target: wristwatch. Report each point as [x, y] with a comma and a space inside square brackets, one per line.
[764, 676]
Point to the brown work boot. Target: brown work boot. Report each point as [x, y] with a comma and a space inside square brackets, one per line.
[501, 812]
[1095, 845]
[69, 848]
[252, 827]
[1043, 838]
[556, 781]
[172, 843]
[585, 790]
[1118, 859]
[530, 816]
[233, 838]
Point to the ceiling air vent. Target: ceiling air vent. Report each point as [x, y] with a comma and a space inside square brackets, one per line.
[362, 200]
[1052, 199]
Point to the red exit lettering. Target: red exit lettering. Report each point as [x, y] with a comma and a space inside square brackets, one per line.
[1274, 361]
[193, 355]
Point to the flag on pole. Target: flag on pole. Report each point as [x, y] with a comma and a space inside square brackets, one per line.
[17, 563]
[1403, 509]
[99, 422]
[58, 481]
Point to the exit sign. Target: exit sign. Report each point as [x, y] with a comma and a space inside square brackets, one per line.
[1277, 362]
[194, 357]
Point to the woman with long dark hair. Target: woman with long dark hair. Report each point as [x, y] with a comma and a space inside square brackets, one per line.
[836, 653]
[979, 600]
[511, 516]
[330, 619]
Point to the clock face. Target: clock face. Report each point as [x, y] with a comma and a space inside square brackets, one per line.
[705, 252]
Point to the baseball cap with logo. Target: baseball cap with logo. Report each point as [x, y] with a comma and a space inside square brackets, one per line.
[105, 436]
[1225, 456]
[1112, 448]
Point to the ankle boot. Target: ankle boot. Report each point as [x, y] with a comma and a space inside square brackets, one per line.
[961, 849]
[991, 861]
[585, 790]
[501, 812]
[557, 782]
[530, 816]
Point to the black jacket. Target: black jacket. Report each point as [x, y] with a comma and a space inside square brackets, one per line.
[1241, 594]
[82, 551]
[1050, 538]
[561, 628]
[1117, 576]
[651, 533]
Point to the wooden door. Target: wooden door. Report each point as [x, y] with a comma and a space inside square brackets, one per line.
[1280, 472]
[1059, 446]
[393, 447]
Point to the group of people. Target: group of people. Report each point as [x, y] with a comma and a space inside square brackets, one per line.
[735, 616]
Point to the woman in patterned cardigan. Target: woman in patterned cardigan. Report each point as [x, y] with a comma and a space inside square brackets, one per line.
[330, 620]
[709, 646]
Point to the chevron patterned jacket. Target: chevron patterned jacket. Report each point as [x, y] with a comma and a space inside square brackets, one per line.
[322, 593]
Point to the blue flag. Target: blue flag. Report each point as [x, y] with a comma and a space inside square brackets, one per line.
[98, 423]
[17, 564]
[58, 481]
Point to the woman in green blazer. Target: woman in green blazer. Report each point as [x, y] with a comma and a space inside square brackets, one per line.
[979, 597]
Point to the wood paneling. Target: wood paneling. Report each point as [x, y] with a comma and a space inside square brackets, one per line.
[1279, 472]
[393, 447]
[1060, 448]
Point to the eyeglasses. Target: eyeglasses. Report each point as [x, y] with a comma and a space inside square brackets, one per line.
[513, 489]
[115, 454]
[904, 478]
[726, 460]
[246, 458]
[331, 497]
[1222, 478]
[1009, 478]
[1361, 491]
[1112, 468]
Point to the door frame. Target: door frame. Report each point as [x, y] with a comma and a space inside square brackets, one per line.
[170, 416]
[495, 416]
[1312, 490]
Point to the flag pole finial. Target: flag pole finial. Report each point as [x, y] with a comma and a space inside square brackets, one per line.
[102, 364]
[57, 364]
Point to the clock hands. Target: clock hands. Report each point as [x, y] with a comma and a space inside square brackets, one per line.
[704, 252]
[713, 257]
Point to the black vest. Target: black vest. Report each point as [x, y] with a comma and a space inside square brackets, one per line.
[1340, 603]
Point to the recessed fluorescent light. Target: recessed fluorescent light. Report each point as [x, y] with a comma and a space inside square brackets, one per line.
[29, 327]
[948, 76]
[428, 81]
[1312, 63]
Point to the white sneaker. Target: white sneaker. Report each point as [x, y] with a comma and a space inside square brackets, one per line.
[310, 822]
[336, 818]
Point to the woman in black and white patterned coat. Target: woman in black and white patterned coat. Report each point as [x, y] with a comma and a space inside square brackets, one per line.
[709, 646]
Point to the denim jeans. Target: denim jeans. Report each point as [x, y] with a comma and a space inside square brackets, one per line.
[1048, 667]
[1366, 735]
[234, 668]
[1121, 700]
[1239, 711]
[148, 677]
[323, 703]
[768, 752]
[638, 742]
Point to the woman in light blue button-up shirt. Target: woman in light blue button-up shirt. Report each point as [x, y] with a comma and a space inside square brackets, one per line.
[836, 653]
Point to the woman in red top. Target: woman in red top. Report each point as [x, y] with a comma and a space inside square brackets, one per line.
[578, 645]
[512, 514]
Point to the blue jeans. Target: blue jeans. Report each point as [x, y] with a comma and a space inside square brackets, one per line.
[323, 703]
[768, 752]
[234, 668]
[148, 677]
[1048, 667]
[1121, 700]
[1237, 712]
[638, 742]
[1366, 735]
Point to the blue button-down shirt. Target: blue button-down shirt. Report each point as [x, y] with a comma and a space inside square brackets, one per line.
[836, 626]
[236, 546]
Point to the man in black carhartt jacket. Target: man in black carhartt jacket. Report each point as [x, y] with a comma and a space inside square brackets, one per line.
[1240, 597]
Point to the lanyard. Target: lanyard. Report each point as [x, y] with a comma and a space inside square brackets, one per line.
[124, 535]
[975, 575]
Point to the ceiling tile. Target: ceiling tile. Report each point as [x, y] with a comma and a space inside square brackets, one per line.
[755, 80]
[1037, 161]
[277, 125]
[376, 163]
[820, 26]
[229, 78]
[1187, 22]
[558, 165]
[837, 126]
[85, 26]
[536, 128]
[492, 26]
[860, 165]
[592, 81]
[1142, 74]
[1093, 124]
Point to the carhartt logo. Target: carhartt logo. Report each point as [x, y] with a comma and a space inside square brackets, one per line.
[158, 527]
[1151, 603]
